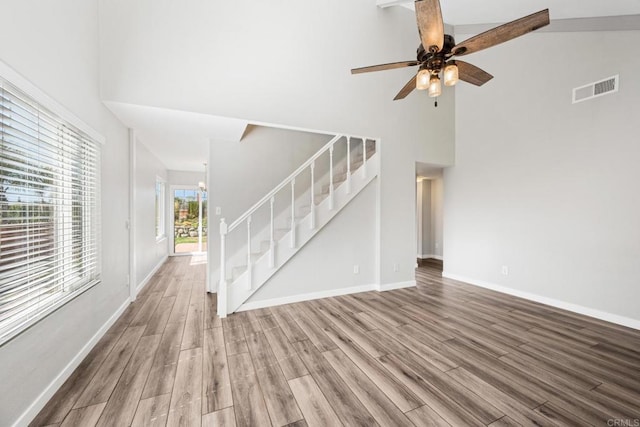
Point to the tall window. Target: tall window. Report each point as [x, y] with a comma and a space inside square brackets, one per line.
[160, 234]
[49, 211]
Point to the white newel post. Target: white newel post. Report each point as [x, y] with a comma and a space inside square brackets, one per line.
[331, 177]
[293, 213]
[222, 286]
[313, 192]
[348, 165]
[364, 157]
[272, 243]
[249, 281]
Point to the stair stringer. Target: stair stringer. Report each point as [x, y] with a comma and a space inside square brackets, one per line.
[239, 290]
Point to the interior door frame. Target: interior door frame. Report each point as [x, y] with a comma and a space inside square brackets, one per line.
[171, 215]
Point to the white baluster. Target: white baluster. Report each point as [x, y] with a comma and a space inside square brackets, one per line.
[331, 177]
[272, 242]
[348, 165]
[222, 286]
[364, 157]
[249, 281]
[313, 196]
[293, 213]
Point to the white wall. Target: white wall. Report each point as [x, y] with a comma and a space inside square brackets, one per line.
[184, 178]
[423, 189]
[149, 252]
[55, 46]
[243, 172]
[437, 217]
[545, 187]
[288, 63]
[306, 273]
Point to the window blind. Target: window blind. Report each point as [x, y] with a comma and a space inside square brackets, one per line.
[49, 211]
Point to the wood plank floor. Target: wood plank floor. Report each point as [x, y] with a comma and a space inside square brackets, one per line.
[444, 354]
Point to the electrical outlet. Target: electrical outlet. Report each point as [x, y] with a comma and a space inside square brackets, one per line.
[356, 269]
[218, 210]
[437, 245]
[505, 270]
[396, 267]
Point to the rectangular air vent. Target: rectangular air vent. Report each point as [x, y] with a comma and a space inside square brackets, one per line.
[596, 89]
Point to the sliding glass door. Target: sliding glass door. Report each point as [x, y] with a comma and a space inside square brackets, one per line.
[189, 220]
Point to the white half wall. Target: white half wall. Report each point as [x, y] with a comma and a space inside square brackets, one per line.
[149, 251]
[546, 187]
[54, 45]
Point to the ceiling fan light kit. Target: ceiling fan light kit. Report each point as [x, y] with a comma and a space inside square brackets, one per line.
[451, 75]
[423, 80]
[436, 50]
[435, 88]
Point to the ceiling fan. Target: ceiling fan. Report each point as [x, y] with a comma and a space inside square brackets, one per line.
[437, 49]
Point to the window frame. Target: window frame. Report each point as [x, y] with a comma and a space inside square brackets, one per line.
[61, 288]
[160, 206]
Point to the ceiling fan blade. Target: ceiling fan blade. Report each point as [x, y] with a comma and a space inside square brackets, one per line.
[430, 25]
[407, 89]
[472, 74]
[503, 33]
[382, 67]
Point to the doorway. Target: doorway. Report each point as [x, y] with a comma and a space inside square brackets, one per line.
[429, 212]
[189, 215]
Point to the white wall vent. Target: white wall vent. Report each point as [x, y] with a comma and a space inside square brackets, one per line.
[596, 89]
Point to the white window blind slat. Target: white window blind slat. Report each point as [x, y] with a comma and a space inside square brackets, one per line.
[49, 211]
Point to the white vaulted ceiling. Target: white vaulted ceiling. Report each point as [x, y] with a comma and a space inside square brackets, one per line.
[468, 12]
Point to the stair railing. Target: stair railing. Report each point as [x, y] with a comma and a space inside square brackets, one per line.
[270, 198]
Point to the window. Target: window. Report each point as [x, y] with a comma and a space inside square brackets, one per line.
[160, 209]
[49, 211]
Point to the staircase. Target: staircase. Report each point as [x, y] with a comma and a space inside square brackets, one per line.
[266, 249]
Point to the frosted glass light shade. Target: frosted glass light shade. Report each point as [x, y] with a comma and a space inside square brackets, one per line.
[422, 81]
[450, 75]
[435, 88]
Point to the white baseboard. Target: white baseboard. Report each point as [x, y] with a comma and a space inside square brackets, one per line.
[252, 305]
[397, 285]
[33, 410]
[575, 308]
[423, 256]
[153, 271]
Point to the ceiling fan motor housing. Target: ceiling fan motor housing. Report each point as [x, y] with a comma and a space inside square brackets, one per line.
[435, 62]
